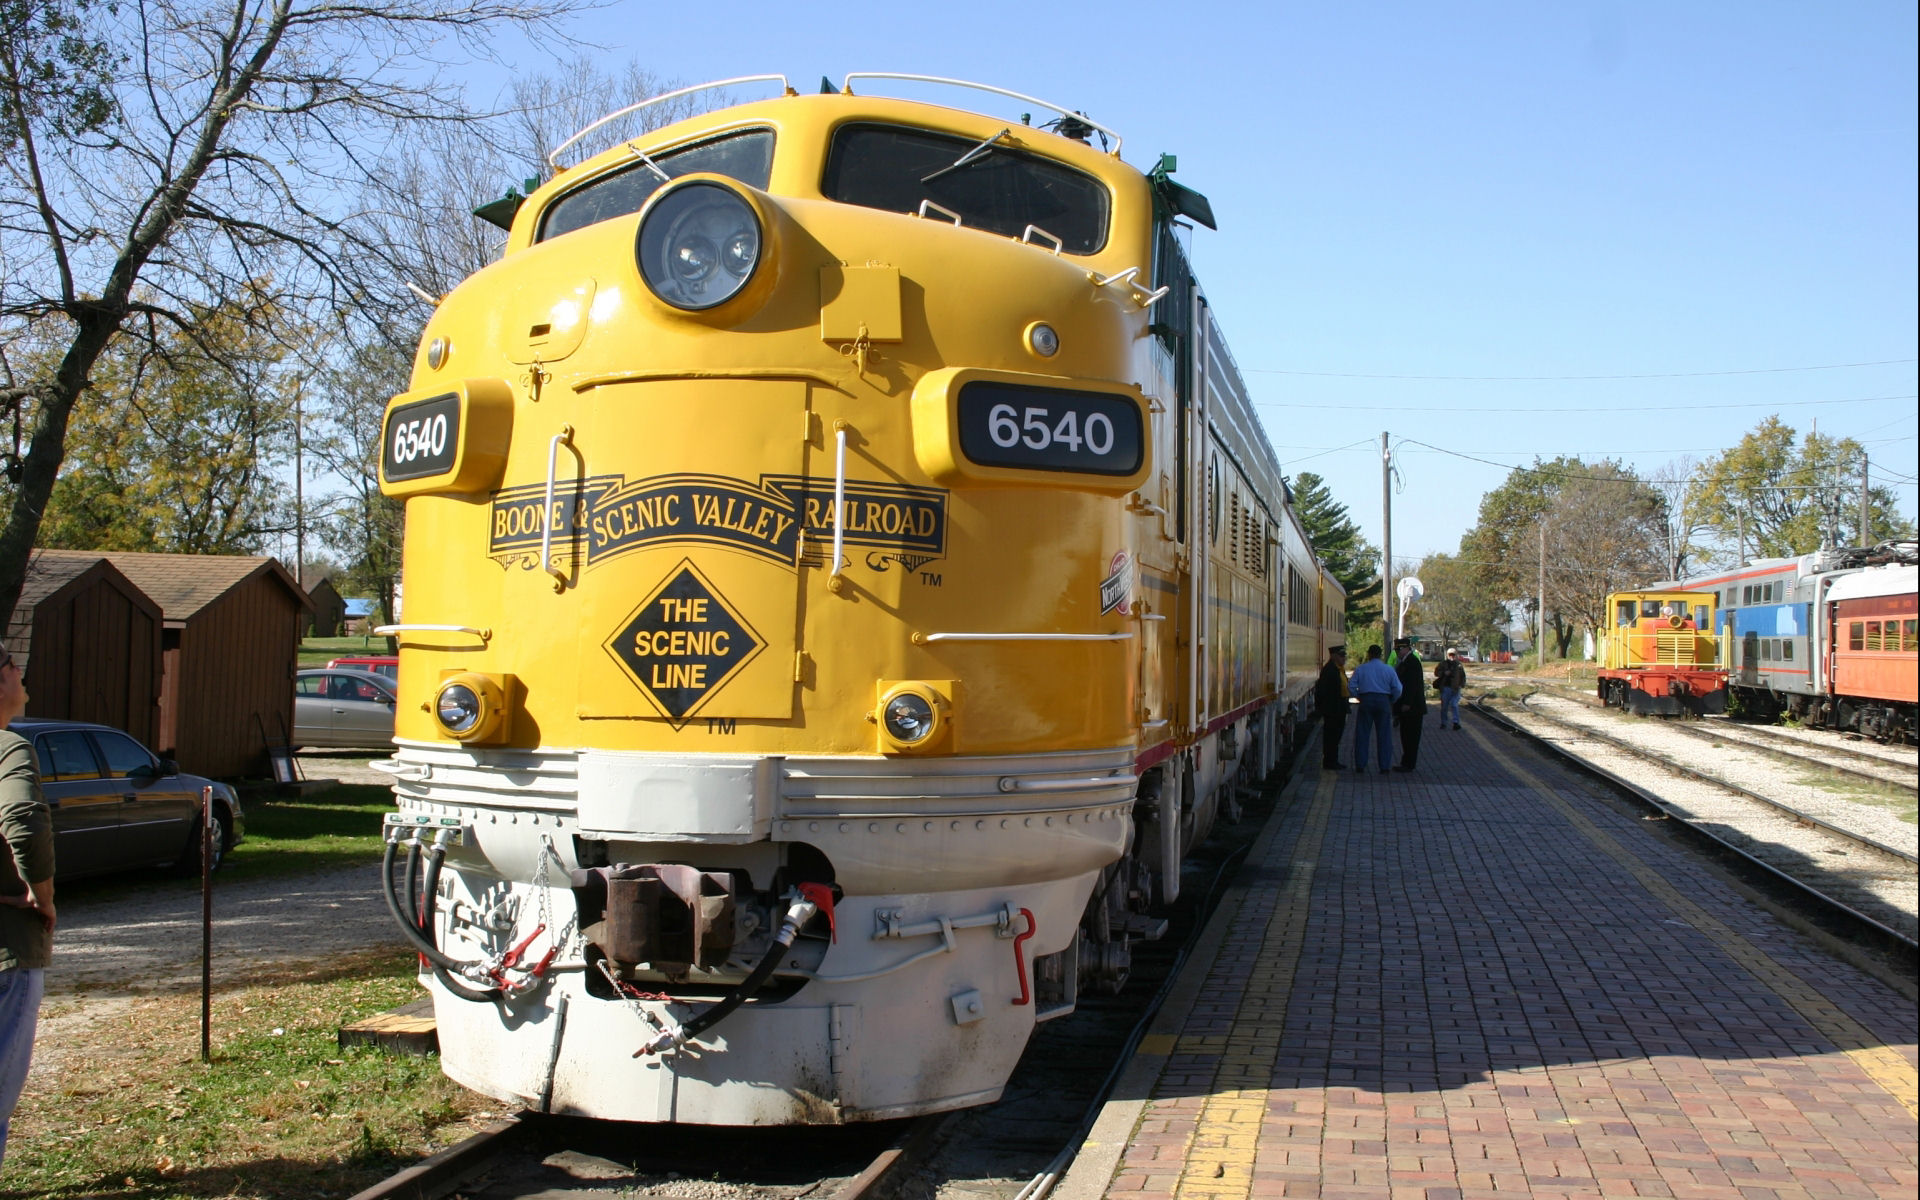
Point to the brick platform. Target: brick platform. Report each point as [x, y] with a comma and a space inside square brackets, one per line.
[1488, 979]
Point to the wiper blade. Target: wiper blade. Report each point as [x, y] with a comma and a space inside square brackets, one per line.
[980, 151]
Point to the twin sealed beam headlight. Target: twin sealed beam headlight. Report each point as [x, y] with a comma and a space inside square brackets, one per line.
[702, 242]
[471, 707]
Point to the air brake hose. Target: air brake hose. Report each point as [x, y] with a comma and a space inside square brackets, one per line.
[799, 911]
[429, 890]
[443, 964]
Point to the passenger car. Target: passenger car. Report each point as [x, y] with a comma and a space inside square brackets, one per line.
[384, 664]
[118, 806]
[342, 707]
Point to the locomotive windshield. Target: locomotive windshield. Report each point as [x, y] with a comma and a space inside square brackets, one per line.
[995, 188]
[747, 157]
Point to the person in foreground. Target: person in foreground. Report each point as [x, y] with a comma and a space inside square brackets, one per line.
[1330, 698]
[26, 896]
[1377, 687]
[1412, 704]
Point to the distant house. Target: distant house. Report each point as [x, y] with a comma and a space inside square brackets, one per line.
[359, 615]
[232, 627]
[90, 639]
[329, 610]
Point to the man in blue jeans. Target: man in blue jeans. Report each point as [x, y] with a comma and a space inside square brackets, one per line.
[1376, 687]
[1448, 678]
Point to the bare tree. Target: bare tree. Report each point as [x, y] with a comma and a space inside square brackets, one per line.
[213, 144]
[1685, 516]
[1604, 532]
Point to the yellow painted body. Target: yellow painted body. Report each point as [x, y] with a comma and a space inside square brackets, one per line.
[1659, 629]
[629, 550]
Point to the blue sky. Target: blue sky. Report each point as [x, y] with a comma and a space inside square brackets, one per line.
[1442, 221]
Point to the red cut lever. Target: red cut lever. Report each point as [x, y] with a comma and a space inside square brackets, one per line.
[822, 895]
[1019, 963]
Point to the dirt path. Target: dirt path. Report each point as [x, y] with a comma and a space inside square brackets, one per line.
[110, 952]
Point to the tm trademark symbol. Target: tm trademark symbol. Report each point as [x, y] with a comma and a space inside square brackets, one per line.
[722, 725]
[930, 578]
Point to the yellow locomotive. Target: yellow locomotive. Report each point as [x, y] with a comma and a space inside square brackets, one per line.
[844, 575]
[1658, 655]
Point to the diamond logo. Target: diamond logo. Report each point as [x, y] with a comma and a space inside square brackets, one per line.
[683, 644]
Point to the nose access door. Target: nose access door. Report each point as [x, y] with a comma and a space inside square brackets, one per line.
[692, 539]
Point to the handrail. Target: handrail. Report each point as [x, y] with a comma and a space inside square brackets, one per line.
[1015, 783]
[546, 514]
[847, 87]
[839, 499]
[485, 635]
[923, 639]
[553, 159]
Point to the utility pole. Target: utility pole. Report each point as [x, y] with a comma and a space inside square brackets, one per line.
[1540, 654]
[1866, 506]
[1386, 540]
[1740, 535]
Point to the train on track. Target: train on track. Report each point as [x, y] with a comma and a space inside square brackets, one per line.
[1831, 638]
[845, 575]
[1658, 655]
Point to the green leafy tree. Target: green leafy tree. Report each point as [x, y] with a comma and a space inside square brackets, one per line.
[1456, 608]
[1603, 527]
[362, 525]
[162, 156]
[179, 456]
[1792, 494]
[1353, 560]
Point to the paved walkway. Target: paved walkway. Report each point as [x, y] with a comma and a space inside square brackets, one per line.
[1486, 980]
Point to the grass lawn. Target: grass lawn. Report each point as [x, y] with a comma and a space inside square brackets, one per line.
[339, 827]
[316, 652]
[281, 1111]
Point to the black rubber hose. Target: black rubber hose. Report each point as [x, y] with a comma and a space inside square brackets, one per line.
[409, 897]
[430, 890]
[409, 925]
[756, 978]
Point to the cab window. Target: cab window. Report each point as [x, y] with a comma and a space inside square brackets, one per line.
[1000, 190]
[1649, 608]
[747, 157]
[1625, 610]
[1700, 616]
[65, 755]
[121, 753]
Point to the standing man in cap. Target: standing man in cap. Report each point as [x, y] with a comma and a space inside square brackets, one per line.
[1412, 704]
[1330, 697]
[1376, 687]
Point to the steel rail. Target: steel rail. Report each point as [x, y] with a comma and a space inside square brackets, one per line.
[1907, 945]
[1758, 745]
[1900, 941]
[1664, 762]
[1761, 745]
[1762, 733]
[1774, 734]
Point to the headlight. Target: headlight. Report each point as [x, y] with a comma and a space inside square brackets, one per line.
[458, 708]
[472, 707]
[909, 718]
[698, 245]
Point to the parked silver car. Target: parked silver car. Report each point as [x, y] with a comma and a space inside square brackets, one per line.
[340, 706]
[118, 806]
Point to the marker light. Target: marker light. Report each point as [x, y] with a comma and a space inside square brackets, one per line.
[471, 707]
[698, 245]
[458, 708]
[908, 717]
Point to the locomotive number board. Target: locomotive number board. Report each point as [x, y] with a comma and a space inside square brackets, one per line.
[1049, 429]
[423, 438]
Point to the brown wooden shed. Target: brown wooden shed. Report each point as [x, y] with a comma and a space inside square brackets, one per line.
[90, 639]
[329, 610]
[229, 649]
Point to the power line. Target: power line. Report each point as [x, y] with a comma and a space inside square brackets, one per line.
[1884, 362]
[1680, 409]
[1326, 450]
